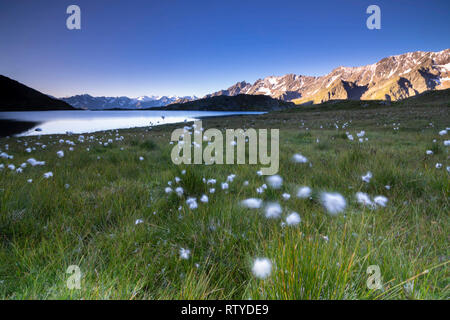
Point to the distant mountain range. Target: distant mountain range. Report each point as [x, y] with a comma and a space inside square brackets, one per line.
[15, 96]
[392, 78]
[86, 101]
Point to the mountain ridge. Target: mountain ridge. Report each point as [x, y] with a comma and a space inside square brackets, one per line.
[15, 96]
[86, 101]
[391, 78]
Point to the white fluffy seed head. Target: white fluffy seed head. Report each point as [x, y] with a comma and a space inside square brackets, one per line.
[298, 158]
[273, 210]
[304, 192]
[168, 190]
[293, 219]
[262, 267]
[192, 203]
[275, 181]
[185, 253]
[48, 175]
[179, 191]
[252, 203]
[366, 178]
[364, 199]
[334, 203]
[380, 201]
[286, 196]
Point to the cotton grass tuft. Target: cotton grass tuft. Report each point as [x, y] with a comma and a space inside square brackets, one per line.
[252, 203]
[293, 219]
[273, 210]
[334, 203]
[262, 267]
[275, 181]
[304, 192]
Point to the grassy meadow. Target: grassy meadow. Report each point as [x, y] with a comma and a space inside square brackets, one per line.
[107, 211]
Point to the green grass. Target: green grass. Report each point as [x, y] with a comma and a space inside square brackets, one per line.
[46, 227]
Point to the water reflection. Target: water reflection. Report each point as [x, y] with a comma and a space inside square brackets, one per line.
[58, 122]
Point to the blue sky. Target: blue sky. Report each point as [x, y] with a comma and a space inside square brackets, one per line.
[168, 47]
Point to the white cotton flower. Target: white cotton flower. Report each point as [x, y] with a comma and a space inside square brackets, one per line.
[298, 158]
[28, 150]
[211, 181]
[361, 134]
[429, 152]
[185, 253]
[2, 166]
[273, 210]
[48, 175]
[30, 180]
[204, 198]
[252, 203]
[262, 267]
[60, 154]
[447, 143]
[364, 199]
[443, 132]
[293, 219]
[304, 192]
[183, 171]
[224, 186]
[438, 165]
[19, 170]
[245, 183]
[334, 203]
[34, 162]
[448, 168]
[259, 173]
[231, 177]
[275, 181]
[11, 167]
[350, 137]
[367, 177]
[177, 179]
[212, 190]
[138, 221]
[168, 190]
[192, 203]
[380, 201]
[286, 196]
[179, 191]
[141, 158]
[387, 187]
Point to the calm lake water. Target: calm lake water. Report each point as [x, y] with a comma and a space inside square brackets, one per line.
[58, 122]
